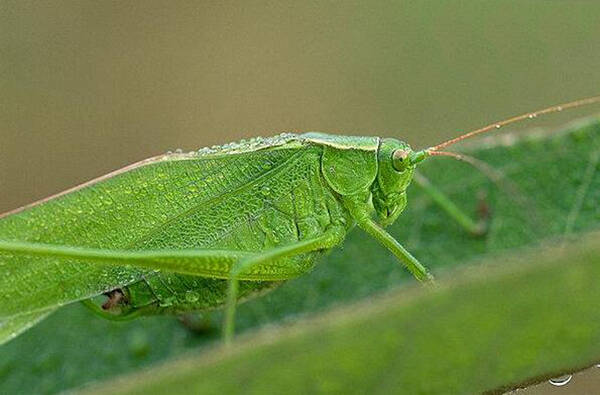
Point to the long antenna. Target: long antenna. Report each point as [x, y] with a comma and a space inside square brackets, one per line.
[529, 115]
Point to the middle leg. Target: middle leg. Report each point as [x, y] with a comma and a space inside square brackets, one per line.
[333, 236]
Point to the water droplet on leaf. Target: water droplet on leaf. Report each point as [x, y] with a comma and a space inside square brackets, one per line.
[561, 380]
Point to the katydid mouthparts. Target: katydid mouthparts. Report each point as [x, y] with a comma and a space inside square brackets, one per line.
[193, 232]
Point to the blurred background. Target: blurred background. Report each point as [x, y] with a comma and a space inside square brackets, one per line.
[88, 87]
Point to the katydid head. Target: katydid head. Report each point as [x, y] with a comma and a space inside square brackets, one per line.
[396, 165]
[397, 162]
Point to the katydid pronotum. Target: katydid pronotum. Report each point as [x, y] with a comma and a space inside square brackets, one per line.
[213, 226]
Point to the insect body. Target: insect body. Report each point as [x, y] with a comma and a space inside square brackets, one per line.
[293, 196]
[193, 232]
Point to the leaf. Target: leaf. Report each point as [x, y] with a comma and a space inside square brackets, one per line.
[544, 188]
[483, 329]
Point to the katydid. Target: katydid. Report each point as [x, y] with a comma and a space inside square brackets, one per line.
[189, 232]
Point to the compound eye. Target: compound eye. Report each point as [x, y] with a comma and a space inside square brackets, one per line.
[400, 159]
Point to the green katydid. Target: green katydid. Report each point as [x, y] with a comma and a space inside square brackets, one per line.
[211, 227]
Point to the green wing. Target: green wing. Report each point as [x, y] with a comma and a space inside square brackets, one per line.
[230, 198]
[13, 326]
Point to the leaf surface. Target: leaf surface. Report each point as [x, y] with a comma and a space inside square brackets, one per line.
[483, 329]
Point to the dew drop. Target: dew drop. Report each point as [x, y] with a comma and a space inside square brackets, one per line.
[168, 301]
[561, 380]
[191, 296]
[265, 191]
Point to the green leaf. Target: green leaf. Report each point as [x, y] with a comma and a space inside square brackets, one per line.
[483, 329]
[545, 191]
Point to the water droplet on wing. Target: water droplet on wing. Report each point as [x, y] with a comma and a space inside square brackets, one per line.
[191, 296]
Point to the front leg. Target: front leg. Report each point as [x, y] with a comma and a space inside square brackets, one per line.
[412, 264]
[358, 207]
